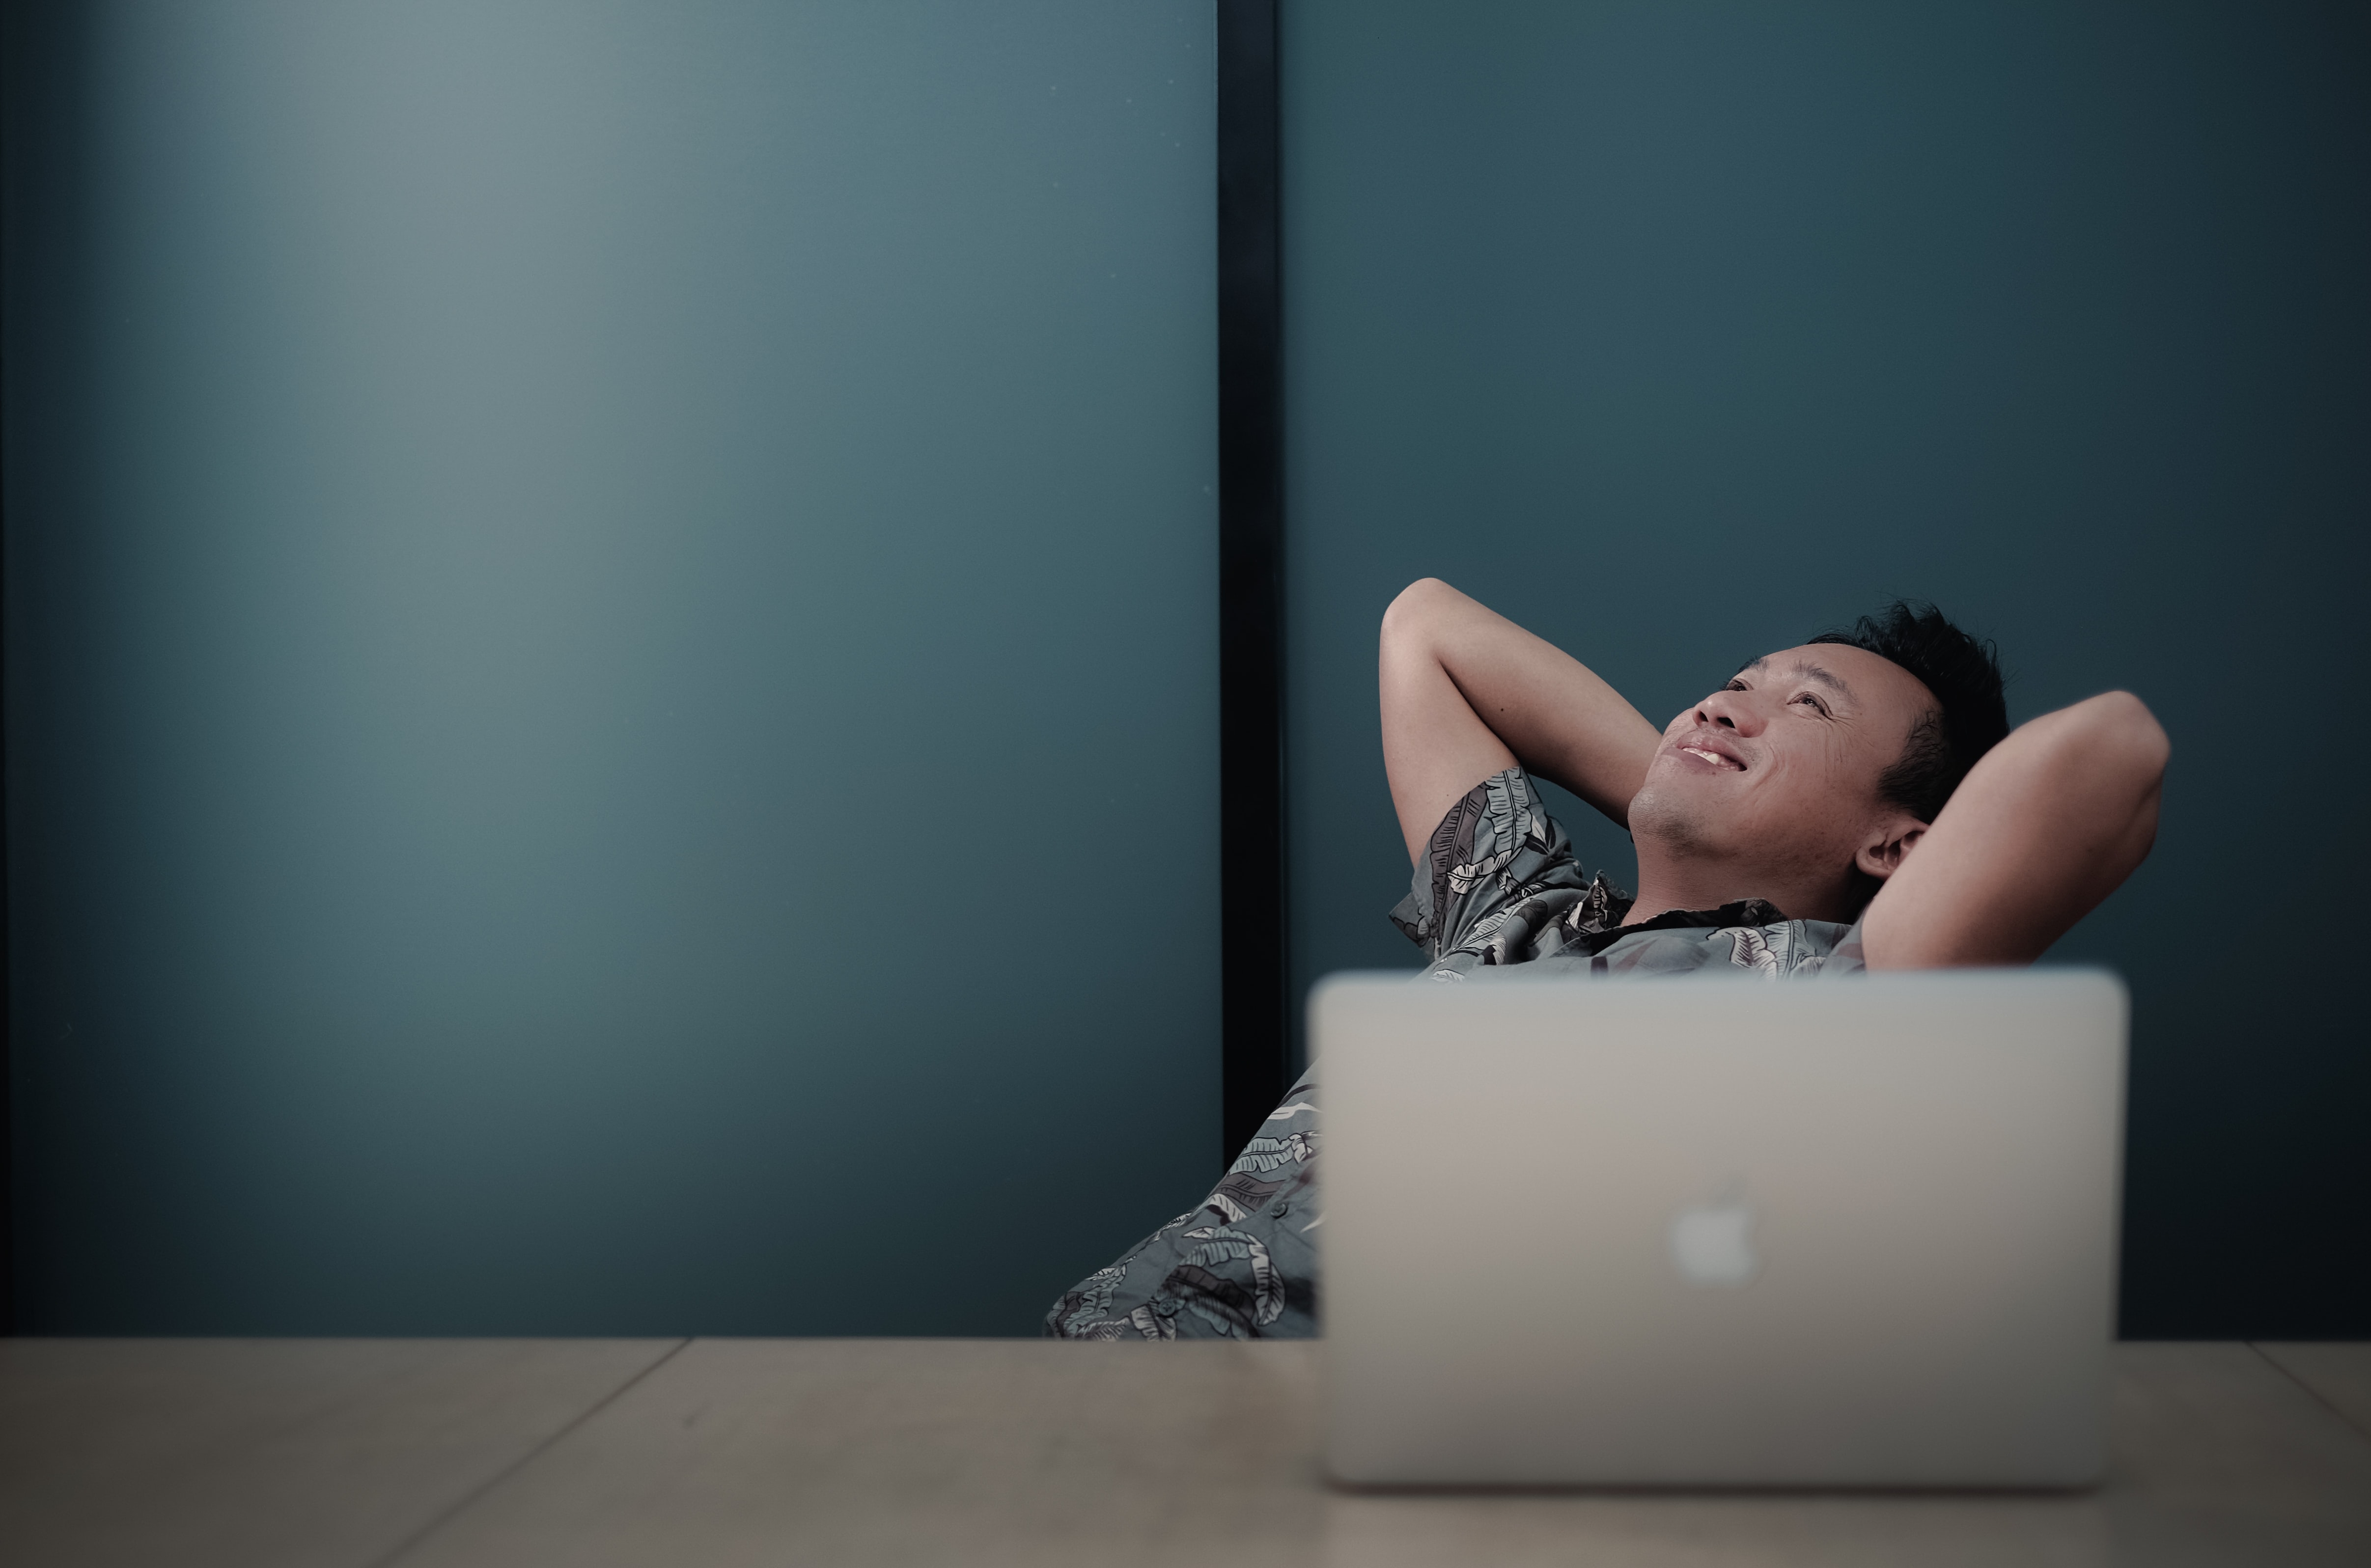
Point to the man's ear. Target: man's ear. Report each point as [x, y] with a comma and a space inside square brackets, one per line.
[1888, 844]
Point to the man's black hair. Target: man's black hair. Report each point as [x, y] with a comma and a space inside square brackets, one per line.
[1965, 676]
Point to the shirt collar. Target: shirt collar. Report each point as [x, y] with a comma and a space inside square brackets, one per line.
[1596, 919]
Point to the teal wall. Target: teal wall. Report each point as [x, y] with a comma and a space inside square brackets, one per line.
[612, 667]
[560, 555]
[1680, 331]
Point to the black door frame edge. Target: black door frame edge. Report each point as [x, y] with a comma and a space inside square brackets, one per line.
[1251, 574]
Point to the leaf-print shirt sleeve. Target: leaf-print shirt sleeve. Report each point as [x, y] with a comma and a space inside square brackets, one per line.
[1497, 882]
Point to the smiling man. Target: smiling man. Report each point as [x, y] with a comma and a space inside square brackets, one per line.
[1857, 803]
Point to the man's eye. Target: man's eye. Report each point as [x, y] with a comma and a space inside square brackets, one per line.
[1734, 685]
[1817, 704]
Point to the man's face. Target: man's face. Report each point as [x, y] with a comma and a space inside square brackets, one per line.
[1781, 767]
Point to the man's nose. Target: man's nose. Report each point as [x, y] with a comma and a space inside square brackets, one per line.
[1729, 711]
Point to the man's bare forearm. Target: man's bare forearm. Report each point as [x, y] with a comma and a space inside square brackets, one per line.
[1467, 693]
[2051, 822]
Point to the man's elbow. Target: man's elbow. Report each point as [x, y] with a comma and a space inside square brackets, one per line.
[2118, 737]
[1416, 608]
[2132, 732]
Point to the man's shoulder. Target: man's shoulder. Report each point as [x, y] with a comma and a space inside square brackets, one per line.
[1496, 848]
[1688, 943]
[1779, 949]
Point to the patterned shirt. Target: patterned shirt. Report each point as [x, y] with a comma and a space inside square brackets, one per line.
[1497, 887]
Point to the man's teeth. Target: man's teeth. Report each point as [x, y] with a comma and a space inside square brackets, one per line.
[1714, 757]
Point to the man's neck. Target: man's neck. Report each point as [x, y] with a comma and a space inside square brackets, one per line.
[1667, 881]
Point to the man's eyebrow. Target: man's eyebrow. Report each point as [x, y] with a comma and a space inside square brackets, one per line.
[1834, 683]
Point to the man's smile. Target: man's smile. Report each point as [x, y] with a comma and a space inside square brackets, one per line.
[1708, 751]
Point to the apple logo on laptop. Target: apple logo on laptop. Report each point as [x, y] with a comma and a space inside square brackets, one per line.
[1713, 1243]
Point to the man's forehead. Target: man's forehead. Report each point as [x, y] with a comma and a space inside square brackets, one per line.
[1794, 663]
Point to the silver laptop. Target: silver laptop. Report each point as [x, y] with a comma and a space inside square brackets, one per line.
[1710, 1232]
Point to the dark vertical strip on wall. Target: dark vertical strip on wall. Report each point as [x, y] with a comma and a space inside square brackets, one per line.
[16, 32]
[1251, 571]
[21, 83]
[38, 55]
[42, 383]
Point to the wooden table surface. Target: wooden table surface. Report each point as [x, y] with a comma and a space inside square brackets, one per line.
[523, 1452]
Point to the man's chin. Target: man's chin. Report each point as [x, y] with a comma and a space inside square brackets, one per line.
[1680, 819]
